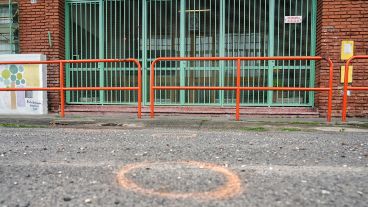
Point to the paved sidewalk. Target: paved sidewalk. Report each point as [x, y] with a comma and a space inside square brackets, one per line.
[224, 122]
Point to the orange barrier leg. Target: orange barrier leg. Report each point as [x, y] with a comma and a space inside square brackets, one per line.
[152, 89]
[139, 89]
[238, 90]
[62, 92]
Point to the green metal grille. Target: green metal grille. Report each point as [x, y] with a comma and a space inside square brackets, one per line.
[9, 42]
[102, 30]
[203, 22]
[147, 29]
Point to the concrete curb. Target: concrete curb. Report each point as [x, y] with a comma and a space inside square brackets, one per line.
[211, 123]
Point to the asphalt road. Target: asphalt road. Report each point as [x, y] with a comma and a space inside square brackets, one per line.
[182, 167]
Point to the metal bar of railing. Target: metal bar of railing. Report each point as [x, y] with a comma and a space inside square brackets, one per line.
[62, 87]
[238, 88]
[347, 87]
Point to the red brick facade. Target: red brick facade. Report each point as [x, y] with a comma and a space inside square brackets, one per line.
[337, 20]
[36, 20]
[340, 20]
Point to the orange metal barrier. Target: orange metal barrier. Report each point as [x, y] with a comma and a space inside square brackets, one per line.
[62, 87]
[347, 87]
[238, 87]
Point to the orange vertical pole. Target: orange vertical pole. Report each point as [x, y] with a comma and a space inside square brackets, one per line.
[330, 92]
[152, 90]
[62, 92]
[139, 89]
[346, 82]
[238, 90]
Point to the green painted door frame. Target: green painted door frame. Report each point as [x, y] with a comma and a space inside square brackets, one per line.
[101, 49]
[271, 46]
[182, 48]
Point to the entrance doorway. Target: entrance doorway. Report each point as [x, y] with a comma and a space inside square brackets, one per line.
[147, 29]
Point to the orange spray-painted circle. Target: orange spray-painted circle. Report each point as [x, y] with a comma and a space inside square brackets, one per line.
[230, 188]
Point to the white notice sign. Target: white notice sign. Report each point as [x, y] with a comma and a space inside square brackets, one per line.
[293, 19]
[348, 48]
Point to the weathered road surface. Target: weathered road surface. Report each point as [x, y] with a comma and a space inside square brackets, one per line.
[179, 167]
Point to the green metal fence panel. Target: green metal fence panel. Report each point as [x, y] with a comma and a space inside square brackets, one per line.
[103, 30]
[147, 29]
[83, 36]
[202, 32]
[122, 40]
[9, 42]
[246, 34]
[293, 39]
[164, 40]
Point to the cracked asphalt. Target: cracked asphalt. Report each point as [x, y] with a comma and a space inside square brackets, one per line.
[79, 167]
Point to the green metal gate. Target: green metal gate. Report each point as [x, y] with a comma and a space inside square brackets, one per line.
[147, 29]
[9, 42]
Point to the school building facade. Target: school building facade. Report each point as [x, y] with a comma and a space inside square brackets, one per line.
[148, 29]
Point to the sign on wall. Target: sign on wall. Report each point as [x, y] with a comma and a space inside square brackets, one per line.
[23, 76]
[347, 49]
[293, 19]
[350, 78]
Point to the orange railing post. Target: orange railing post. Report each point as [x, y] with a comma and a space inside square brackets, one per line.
[238, 87]
[152, 89]
[347, 87]
[62, 87]
[62, 94]
[238, 72]
[139, 87]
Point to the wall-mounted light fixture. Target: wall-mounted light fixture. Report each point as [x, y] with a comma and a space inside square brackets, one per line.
[50, 38]
[33, 1]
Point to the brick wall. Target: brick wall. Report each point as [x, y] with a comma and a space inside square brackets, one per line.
[340, 20]
[35, 21]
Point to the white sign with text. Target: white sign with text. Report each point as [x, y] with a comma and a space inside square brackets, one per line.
[293, 19]
[23, 76]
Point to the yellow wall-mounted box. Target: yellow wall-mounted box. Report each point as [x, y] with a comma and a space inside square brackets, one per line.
[350, 74]
[347, 49]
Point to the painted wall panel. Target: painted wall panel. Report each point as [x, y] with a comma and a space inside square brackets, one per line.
[23, 76]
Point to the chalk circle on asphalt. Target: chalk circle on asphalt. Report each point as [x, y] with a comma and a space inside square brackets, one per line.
[230, 188]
